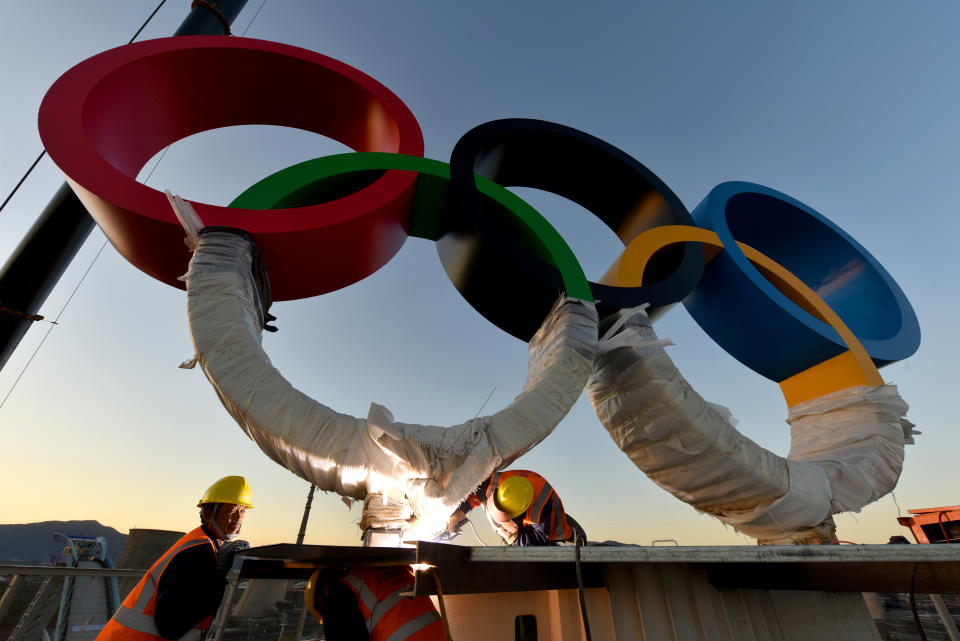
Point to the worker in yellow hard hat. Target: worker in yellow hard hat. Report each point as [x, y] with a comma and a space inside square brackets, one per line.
[523, 510]
[223, 506]
[180, 593]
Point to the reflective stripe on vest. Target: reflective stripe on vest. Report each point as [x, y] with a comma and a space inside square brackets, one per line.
[539, 501]
[148, 587]
[410, 628]
[136, 621]
[384, 614]
[558, 523]
[382, 608]
[375, 609]
[365, 595]
[137, 610]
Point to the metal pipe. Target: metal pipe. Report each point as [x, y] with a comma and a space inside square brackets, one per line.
[39, 261]
[203, 18]
[10, 594]
[50, 570]
[300, 536]
[945, 617]
[37, 264]
[306, 515]
[223, 612]
[65, 593]
[301, 622]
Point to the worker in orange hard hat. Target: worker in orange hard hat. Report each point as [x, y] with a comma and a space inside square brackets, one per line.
[523, 510]
[180, 593]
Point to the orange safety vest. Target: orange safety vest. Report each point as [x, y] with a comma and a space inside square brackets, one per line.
[390, 616]
[133, 620]
[558, 529]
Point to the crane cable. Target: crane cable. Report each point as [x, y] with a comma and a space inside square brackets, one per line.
[44, 152]
[103, 246]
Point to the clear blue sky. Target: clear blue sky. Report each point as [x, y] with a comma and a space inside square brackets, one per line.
[848, 107]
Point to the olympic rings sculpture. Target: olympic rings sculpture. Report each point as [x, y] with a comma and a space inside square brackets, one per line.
[772, 281]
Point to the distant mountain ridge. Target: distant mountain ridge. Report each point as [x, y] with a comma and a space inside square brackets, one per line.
[34, 543]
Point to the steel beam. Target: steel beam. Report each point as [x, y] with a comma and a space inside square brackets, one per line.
[466, 570]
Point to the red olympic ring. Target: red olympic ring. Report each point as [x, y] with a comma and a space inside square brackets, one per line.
[104, 119]
[107, 116]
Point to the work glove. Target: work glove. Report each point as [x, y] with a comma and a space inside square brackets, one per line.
[456, 522]
[227, 551]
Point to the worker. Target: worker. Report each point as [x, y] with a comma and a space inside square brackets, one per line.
[180, 593]
[523, 509]
[367, 604]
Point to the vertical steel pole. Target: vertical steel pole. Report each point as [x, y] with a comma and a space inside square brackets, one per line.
[945, 617]
[301, 622]
[223, 612]
[306, 515]
[300, 536]
[34, 268]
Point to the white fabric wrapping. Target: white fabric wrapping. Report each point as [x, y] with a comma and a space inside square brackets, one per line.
[847, 447]
[855, 438]
[436, 467]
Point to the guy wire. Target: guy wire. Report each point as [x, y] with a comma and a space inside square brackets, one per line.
[70, 298]
[44, 152]
[103, 246]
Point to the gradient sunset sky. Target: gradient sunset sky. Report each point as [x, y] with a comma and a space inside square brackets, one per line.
[849, 107]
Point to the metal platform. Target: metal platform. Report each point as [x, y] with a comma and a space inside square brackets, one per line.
[631, 592]
[790, 593]
[470, 570]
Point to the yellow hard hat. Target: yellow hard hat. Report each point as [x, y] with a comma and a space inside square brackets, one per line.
[229, 489]
[514, 495]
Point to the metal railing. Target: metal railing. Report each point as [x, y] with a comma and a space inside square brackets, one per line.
[252, 609]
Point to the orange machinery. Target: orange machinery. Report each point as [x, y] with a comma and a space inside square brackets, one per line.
[934, 524]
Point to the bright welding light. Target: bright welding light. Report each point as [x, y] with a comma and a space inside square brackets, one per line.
[421, 567]
[432, 518]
